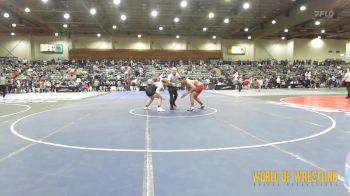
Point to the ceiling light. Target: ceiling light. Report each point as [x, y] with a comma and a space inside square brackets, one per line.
[56, 34]
[246, 5]
[114, 26]
[246, 29]
[323, 31]
[283, 38]
[286, 30]
[123, 17]
[214, 36]
[27, 10]
[226, 20]
[154, 13]
[13, 34]
[177, 36]
[13, 25]
[249, 37]
[205, 28]
[65, 25]
[211, 15]
[183, 3]
[176, 19]
[44, 1]
[6, 15]
[66, 16]
[317, 22]
[98, 35]
[117, 2]
[139, 36]
[302, 8]
[161, 28]
[273, 22]
[92, 11]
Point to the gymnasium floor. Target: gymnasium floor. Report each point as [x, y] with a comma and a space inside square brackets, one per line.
[107, 145]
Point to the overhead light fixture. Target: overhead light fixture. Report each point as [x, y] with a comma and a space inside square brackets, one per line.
[246, 29]
[214, 37]
[12, 34]
[246, 5]
[6, 15]
[66, 16]
[56, 34]
[249, 37]
[283, 38]
[323, 31]
[139, 35]
[161, 28]
[92, 11]
[286, 30]
[205, 28]
[98, 35]
[123, 17]
[27, 10]
[226, 20]
[177, 36]
[114, 26]
[183, 3]
[44, 1]
[342, 55]
[273, 22]
[154, 13]
[13, 25]
[117, 2]
[317, 22]
[176, 19]
[65, 25]
[302, 8]
[211, 15]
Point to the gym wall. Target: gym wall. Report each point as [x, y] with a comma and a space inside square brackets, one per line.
[28, 47]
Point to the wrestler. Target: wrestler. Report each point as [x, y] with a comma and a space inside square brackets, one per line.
[194, 89]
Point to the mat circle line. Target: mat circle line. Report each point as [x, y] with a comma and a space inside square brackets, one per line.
[132, 112]
[22, 111]
[15, 132]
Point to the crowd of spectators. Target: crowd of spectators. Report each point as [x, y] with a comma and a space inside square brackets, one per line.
[84, 75]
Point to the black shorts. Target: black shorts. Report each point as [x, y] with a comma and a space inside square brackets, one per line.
[150, 92]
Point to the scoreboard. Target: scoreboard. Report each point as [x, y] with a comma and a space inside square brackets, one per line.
[51, 48]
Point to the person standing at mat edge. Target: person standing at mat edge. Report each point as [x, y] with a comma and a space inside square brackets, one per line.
[173, 79]
[346, 79]
[3, 83]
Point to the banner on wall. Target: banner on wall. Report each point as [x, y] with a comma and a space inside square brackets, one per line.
[236, 50]
[51, 48]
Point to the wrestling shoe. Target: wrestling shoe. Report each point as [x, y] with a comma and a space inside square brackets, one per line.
[202, 107]
[146, 108]
[191, 109]
[160, 109]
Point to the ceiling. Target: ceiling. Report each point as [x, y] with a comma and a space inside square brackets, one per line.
[47, 18]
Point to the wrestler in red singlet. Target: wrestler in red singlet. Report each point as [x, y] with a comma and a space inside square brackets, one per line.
[194, 88]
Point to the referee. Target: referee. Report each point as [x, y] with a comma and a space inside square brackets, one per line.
[3, 83]
[173, 78]
[347, 82]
